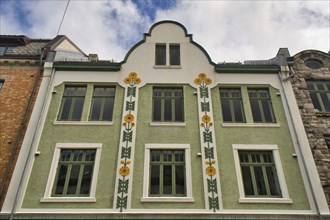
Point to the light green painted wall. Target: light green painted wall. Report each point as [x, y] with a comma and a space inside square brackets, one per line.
[226, 136]
[52, 134]
[147, 134]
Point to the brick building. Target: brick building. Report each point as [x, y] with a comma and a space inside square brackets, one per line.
[21, 69]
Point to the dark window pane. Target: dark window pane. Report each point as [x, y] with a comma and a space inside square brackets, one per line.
[157, 110]
[154, 180]
[66, 108]
[174, 54]
[268, 112]
[179, 180]
[178, 110]
[167, 110]
[273, 182]
[226, 113]
[326, 101]
[108, 109]
[59, 187]
[160, 54]
[86, 179]
[69, 91]
[247, 181]
[77, 110]
[255, 111]
[315, 101]
[96, 109]
[261, 187]
[167, 179]
[81, 91]
[238, 107]
[72, 186]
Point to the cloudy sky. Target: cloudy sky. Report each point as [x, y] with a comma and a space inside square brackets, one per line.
[229, 31]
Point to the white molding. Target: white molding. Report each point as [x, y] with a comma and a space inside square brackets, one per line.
[280, 174]
[172, 124]
[167, 66]
[189, 197]
[82, 122]
[51, 177]
[255, 125]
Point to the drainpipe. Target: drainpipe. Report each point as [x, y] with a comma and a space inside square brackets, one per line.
[21, 128]
[31, 146]
[299, 144]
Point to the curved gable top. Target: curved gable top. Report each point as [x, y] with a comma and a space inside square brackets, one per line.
[165, 31]
[308, 53]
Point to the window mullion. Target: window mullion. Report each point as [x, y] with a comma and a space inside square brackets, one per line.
[253, 177]
[102, 108]
[262, 113]
[231, 107]
[73, 101]
[67, 179]
[173, 106]
[173, 174]
[81, 173]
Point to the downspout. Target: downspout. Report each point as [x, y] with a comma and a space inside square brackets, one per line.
[31, 147]
[21, 128]
[298, 142]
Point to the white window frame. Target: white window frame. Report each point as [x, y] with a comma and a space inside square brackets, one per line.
[167, 61]
[51, 177]
[280, 174]
[186, 148]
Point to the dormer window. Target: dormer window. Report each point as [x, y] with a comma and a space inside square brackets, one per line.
[167, 55]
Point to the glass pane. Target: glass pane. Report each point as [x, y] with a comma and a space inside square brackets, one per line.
[69, 91]
[326, 102]
[81, 91]
[167, 110]
[255, 111]
[315, 101]
[268, 111]
[59, 187]
[310, 85]
[90, 155]
[238, 110]
[160, 54]
[167, 156]
[98, 91]
[247, 181]
[108, 109]
[174, 54]
[157, 110]
[226, 113]
[66, 108]
[178, 110]
[319, 85]
[179, 156]
[73, 181]
[86, 179]
[154, 180]
[65, 155]
[272, 180]
[77, 110]
[259, 177]
[179, 180]
[155, 155]
[167, 179]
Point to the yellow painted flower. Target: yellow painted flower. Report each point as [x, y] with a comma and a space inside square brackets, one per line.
[208, 81]
[211, 171]
[128, 162]
[124, 124]
[129, 118]
[202, 125]
[124, 171]
[122, 161]
[197, 81]
[213, 161]
[202, 76]
[137, 80]
[127, 80]
[207, 162]
[132, 75]
[133, 124]
[206, 118]
[210, 124]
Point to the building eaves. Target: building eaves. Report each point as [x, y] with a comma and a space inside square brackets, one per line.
[87, 66]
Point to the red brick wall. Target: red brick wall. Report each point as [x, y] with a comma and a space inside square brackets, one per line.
[14, 98]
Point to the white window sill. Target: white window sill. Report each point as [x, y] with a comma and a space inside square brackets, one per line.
[167, 199]
[171, 124]
[167, 66]
[82, 122]
[253, 125]
[265, 200]
[68, 199]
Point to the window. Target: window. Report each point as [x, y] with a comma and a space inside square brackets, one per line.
[314, 64]
[320, 94]
[72, 103]
[167, 173]
[168, 104]
[261, 105]
[327, 141]
[174, 54]
[160, 54]
[102, 104]
[4, 49]
[1, 84]
[74, 172]
[259, 174]
[232, 105]
[167, 55]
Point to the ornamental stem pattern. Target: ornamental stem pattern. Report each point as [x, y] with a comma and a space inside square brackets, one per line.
[208, 145]
[126, 145]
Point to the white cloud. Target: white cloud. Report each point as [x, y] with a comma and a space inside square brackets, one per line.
[228, 30]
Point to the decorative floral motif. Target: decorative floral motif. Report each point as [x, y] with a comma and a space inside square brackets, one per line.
[129, 118]
[206, 119]
[124, 171]
[211, 171]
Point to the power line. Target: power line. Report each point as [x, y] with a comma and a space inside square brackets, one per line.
[63, 17]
